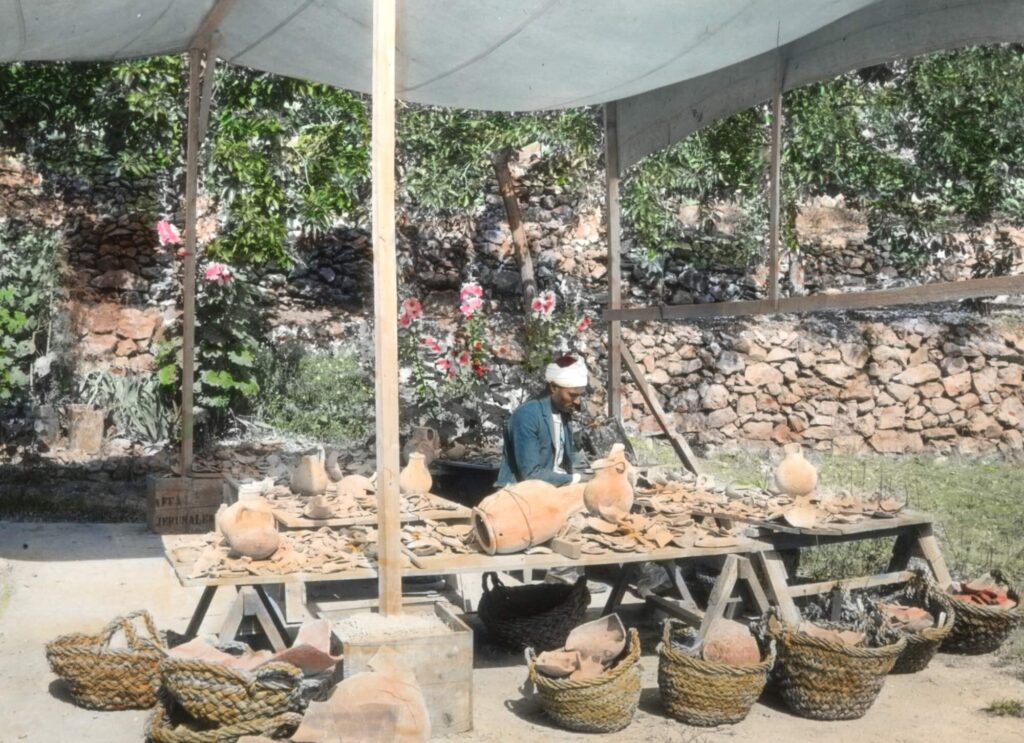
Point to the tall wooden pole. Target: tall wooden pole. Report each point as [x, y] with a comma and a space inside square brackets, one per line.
[611, 159]
[385, 302]
[775, 191]
[188, 363]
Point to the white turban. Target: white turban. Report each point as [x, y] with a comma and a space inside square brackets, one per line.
[567, 372]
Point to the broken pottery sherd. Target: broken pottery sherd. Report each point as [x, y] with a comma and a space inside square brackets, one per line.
[730, 642]
[602, 640]
[318, 508]
[558, 663]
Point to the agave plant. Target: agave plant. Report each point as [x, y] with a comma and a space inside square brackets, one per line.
[135, 404]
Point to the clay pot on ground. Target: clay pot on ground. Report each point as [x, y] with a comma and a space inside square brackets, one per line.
[521, 516]
[310, 476]
[423, 441]
[248, 527]
[318, 508]
[795, 475]
[611, 490]
[415, 479]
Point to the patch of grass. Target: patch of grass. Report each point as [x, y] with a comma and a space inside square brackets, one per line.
[1006, 708]
[650, 450]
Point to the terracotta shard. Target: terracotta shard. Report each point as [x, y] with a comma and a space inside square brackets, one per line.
[602, 640]
[803, 516]
[731, 642]
[558, 663]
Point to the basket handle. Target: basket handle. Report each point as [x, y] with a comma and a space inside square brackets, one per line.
[126, 624]
[494, 579]
[277, 673]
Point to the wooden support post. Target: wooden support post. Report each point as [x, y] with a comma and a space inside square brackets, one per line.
[611, 161]
[775, 190]
[507, 189]
[720, 594]
[385, 302]
[681, 448]
[188, 333]
[777, 585]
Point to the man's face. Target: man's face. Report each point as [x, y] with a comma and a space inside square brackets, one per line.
[566, 399]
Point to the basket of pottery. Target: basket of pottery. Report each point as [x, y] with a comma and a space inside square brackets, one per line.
[924, 615]
[715, 681]
[538, 616]
[113, 669]
[169, 723]
[592, 684]
[830, 672]
[987, 610]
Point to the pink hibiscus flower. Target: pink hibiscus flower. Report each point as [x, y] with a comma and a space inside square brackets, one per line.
[583, 325]
[167, 233]
[412, 308]
[463, 358]
[218, 273]
[471, 290]
[470, 305]
[431, 343]
[543, 305]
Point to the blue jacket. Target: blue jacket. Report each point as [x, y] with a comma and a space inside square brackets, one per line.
[529, 449]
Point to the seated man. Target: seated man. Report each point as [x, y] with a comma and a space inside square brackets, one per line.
[538, 435]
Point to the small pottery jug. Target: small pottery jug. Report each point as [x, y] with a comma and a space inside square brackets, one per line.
[415, 479]
[318, 508]
[521, 516]
[611, 488]
[795, 475]
[425, 441]
[249, 528]
[310, 476]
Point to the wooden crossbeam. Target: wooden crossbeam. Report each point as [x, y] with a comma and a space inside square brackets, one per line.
[611, 160]
[939, 291]
[680, 446]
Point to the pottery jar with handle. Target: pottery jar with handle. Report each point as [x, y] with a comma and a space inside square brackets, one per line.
[610, 490]
[795, 475]
[415, 478]
[310, 476]
[521, 516]
[249, 528]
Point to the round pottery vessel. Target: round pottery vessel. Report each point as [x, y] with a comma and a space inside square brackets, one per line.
[795, 475]
[521, 516]
[310, 476]
[248, 527]
[415, 479]
[611, 487]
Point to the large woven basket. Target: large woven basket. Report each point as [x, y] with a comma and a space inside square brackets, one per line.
[924, 644]
[213, 693]
[826, 680]
[538, 616]
[168, 725]
[982, 629]
[702, 692]
[101, 677]
[599, 705]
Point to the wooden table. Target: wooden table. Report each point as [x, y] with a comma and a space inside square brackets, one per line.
[914, 537]
[254, 601]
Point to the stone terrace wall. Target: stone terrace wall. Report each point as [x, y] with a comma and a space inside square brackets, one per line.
[885, 383]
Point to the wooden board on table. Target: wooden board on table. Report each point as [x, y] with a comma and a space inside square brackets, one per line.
[447, 511]
[476, 562]
[868, 525]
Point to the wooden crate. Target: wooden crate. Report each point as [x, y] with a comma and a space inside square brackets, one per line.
[182, 505]
[442, 662]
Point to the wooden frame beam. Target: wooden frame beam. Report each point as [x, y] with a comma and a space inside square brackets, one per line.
[385, 303]
[775, 195]
[611, 159]
[188, 290]
[940, 291]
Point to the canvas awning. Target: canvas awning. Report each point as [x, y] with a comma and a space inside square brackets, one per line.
[678, 64]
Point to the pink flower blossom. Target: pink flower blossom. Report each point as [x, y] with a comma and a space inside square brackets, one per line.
[463, 358]
[218, 273]
[583, 325]
[167, 233]
[543, 305]
[182, 253]
[431, 343]
[471, 290]
[412, 308]
[443, 364]
[404, 320]
[470, 305]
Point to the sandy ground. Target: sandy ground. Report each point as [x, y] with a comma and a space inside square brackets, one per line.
[57, 578]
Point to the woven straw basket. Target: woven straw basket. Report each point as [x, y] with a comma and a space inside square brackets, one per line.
[982, 629]
[704, 693]
[826, 680]
[538, 616]
[924, 644]
[164, 727]
[212, 692]
[599, 705]
[101, 677]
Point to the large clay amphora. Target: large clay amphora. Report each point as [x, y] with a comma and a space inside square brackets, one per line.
[795, 475]
[249, 528]
[310, 476]
[425, 441]
[610, 492]
[415, 479]
[521, 516]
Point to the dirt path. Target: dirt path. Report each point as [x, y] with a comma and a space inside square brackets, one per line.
[70, 577]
